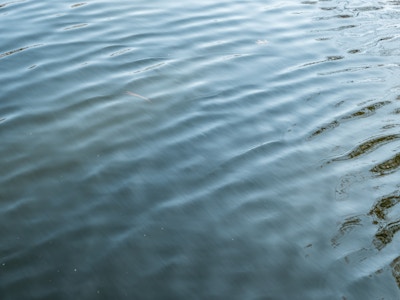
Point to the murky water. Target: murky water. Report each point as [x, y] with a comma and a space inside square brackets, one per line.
[219, 150]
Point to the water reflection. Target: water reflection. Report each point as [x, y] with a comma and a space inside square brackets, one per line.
[2, 5]
[8, 53]
[395, 264]
[367, 146]
[385, 234]
[169, 151]
[78, 4]
[346, 227]
[388, 166]
[366, 140]
[361, 113]
[381, 207]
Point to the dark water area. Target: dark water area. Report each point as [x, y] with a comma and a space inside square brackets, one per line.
[219, 150]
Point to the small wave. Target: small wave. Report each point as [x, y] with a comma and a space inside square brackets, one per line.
[395, 264]
[76, 26]
[368, 146]
[387, 167]
[78, 4]
[361, 113]
[14, 51]
[385, 235]
[2, 5]
[383, 205]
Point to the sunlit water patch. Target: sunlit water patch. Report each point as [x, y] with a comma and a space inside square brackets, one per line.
[219, 150]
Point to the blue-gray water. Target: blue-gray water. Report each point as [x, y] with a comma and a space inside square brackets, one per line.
[220, 150]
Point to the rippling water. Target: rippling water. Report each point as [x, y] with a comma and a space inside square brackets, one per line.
[222, 150]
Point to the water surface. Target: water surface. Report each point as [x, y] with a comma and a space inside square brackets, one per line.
[219, 150]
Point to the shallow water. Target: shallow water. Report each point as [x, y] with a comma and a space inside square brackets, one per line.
[222, 150]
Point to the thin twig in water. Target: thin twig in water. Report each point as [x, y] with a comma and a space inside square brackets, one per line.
[137, 95]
